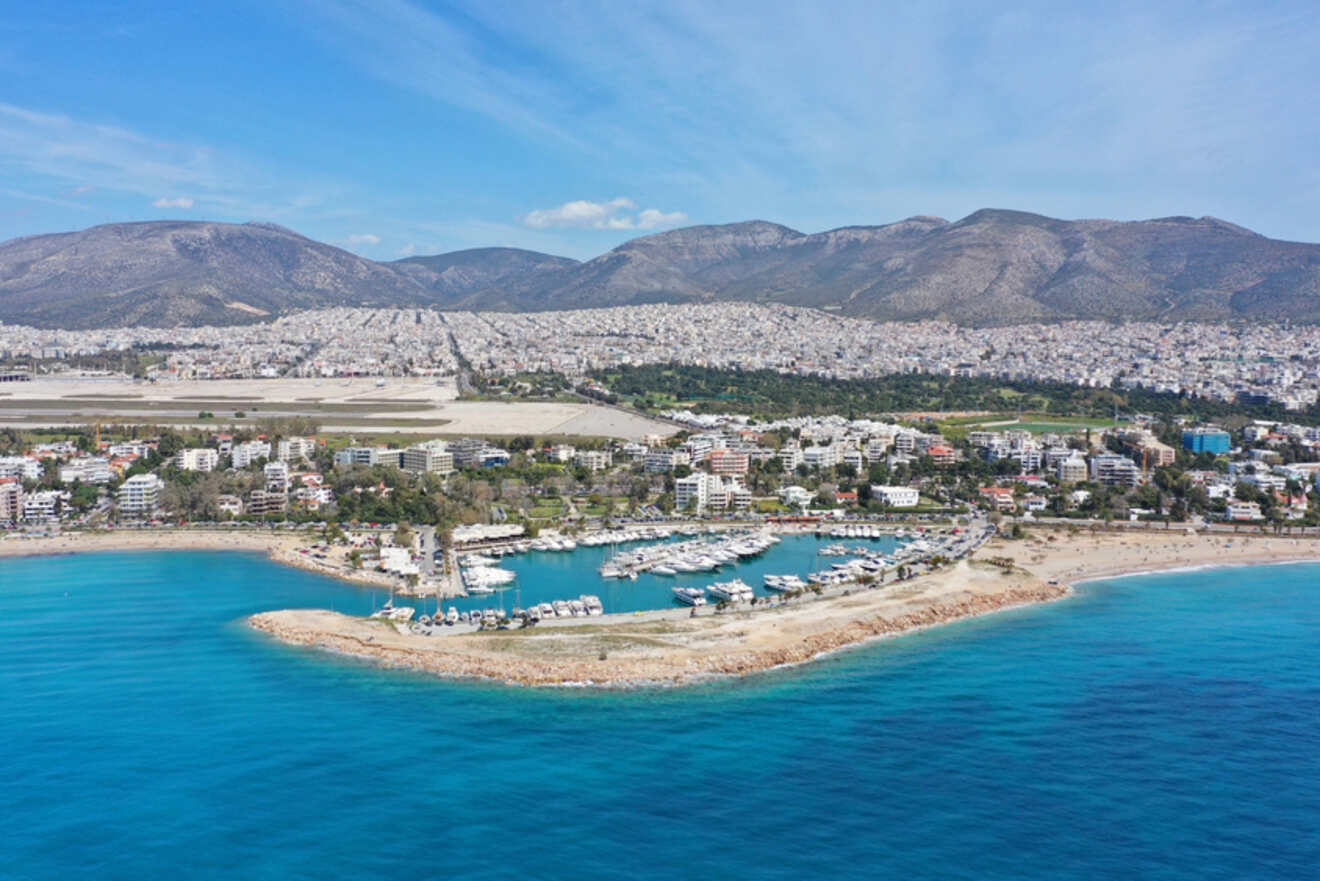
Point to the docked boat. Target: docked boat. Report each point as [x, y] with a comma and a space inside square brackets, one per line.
[664, 570]
[734, 591]
[592, 604]
[391, 612]
[692, 596]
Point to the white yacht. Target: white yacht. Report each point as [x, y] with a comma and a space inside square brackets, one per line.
[592, 603]
[691, 595]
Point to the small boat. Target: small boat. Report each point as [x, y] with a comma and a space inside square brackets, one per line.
[665, 570]
[592, 604]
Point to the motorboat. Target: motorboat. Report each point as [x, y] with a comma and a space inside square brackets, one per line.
[692, 596]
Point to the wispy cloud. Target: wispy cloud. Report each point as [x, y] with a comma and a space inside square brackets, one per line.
[619, 214]
[361, 238]
[776, 109]
[79, 156]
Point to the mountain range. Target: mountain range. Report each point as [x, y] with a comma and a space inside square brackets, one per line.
[991, 267]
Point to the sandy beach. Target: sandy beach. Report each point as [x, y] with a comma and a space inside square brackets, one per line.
[280, 547]
[669, 648]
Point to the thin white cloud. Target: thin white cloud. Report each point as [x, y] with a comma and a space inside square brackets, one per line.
[617, 214]
[407, 250]
[362, 238]
[176, 202]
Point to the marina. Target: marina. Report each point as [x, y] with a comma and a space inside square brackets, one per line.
[637, 570]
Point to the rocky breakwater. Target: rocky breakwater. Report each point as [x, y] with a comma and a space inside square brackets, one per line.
[622, 653]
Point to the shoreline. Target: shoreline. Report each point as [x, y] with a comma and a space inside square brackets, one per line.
[665, 647]
[281, 548]
[617, 651]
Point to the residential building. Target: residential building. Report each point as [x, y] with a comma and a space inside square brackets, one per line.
[895, 496]
[999, 497]
[1112, 469]
[728, 462]
[790, 457]
[295, 449]
[262, 502]
[86, 469]
[228, 504]
[795, 496]
[197, 459]
[139, 495]
[820, 457]
[1073, 469]
[11, 500]
[369, 456]
[942, 454]
[662, 460]
[1243, 511]
[690, 493]
[593, 460]
[277, 477]
[244, 454]
[22, 467]
[43, 506]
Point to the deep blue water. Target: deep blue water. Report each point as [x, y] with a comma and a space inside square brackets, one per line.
[546, 576]
[1154, 727]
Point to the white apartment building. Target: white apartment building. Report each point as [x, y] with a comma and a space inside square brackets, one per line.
[428, 458]
[43, 506]
[795, 496]
[245, 454]
[197, 459]
[820, 457]
[1112, 469]
[22, 467]
[659, 461]
[895, 496]
[277, 477]
[232, 505]
[295, 449]
[369, 456]
[140, 495]
[130, 449]
[593, 460]
[790, 458]
[1072, 469]
[87, 469]
[690, 493]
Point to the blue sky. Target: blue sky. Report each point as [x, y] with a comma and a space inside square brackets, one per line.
[397, 127]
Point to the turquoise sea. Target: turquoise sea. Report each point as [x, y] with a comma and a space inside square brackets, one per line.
[1152, 727]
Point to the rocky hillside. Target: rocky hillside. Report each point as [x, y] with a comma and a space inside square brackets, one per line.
[181, 272]
[992, 267]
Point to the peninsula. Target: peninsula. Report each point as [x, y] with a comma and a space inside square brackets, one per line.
[671, 648]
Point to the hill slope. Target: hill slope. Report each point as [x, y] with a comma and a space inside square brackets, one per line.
[992, 267]
[182, 272]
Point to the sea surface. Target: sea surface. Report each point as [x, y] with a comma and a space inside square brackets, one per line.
[1152, 727]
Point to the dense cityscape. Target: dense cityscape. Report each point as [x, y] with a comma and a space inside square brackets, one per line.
[1264, 362]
